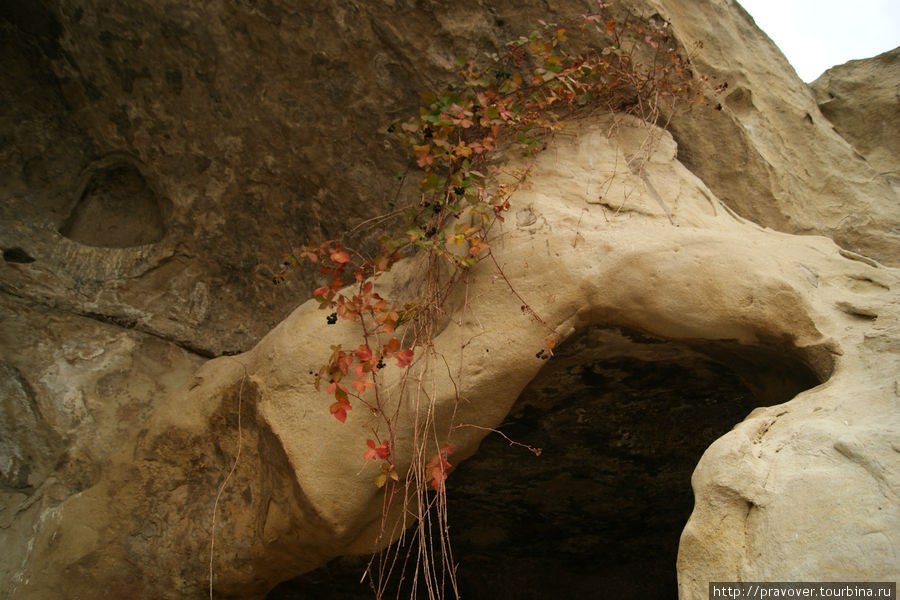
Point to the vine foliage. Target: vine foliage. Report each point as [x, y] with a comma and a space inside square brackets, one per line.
[515, 100]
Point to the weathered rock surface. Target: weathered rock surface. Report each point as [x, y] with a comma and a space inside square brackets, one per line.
[862, 100]
[238, 131]
[769, 153]
[74, 391]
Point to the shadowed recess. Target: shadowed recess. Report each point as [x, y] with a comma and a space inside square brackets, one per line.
[622, 419]
[117, 209]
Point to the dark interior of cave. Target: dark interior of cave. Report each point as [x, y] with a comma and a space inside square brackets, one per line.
[622, 419]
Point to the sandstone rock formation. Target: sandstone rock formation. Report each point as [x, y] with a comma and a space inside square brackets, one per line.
[239, 130]
[860, 99]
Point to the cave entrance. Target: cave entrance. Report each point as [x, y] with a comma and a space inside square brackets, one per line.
[622, 419]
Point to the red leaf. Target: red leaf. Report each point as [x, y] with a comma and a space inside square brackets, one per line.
[404, 357]
[339, 410]
[392, 346]
[323, 295]
[376, 452]
[437, 467]
[339, 256]
[361, 385]
[363, 353]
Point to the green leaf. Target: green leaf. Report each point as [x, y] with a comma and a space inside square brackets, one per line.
[431, 182]
[552, 64]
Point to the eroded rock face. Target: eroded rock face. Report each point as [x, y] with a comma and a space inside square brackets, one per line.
[796, 173]
[861, 99]
[74, 391]
[219, 121]
[254, 129]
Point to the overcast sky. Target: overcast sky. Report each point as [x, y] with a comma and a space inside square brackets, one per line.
[818, 34]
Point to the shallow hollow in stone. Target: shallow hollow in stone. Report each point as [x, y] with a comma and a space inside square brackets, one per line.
[116, 208]
[622, 419]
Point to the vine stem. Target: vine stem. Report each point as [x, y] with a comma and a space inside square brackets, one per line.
[525, 305]
[512, 442]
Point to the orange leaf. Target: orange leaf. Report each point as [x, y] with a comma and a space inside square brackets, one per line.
[361, 385]
[339, 256]
[339, 410]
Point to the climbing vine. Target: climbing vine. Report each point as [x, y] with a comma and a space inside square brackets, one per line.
[515, 100]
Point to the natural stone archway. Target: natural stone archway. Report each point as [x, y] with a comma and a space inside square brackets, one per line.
[621, 419]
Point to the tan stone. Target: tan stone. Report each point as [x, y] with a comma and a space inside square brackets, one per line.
[770, 154]
[861, 99]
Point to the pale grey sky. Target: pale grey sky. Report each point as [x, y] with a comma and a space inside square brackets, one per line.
[818, 34]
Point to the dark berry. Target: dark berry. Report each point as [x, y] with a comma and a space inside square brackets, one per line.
[332, 319]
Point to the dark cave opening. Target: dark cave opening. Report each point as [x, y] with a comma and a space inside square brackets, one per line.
[622, 419]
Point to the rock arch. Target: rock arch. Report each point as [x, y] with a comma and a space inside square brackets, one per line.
[621, 418]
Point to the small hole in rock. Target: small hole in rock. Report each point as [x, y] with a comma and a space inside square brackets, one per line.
[17, 255]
